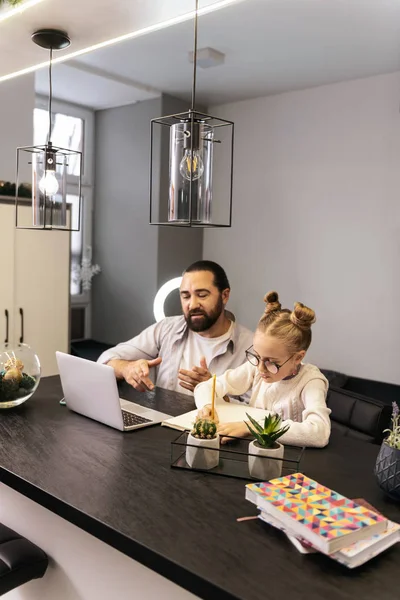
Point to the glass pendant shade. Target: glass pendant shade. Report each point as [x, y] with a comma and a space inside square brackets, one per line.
[48, 166]
[190, 173]
[196, 190]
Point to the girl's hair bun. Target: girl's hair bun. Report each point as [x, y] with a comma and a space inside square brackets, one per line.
[302, 316]
[272, 303]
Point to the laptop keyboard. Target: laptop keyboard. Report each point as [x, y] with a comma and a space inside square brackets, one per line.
[131, 419]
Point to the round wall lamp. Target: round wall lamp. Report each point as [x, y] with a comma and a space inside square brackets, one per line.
[162, 295]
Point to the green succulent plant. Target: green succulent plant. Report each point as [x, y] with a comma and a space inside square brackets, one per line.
[204, 429]
[268, 435]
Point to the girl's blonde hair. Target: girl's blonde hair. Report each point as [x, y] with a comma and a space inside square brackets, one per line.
[293, 328]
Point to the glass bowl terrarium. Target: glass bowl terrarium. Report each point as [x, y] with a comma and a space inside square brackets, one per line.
[19, 375]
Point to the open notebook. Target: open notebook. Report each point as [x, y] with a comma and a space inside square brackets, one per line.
[227, 413]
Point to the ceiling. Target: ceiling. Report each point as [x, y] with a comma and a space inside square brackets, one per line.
[88, 22]
[271, 46]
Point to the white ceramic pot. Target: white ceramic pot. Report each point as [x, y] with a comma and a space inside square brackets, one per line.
[200, 457]
[259, 466]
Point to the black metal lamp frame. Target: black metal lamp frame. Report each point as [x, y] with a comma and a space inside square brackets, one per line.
[191, 116]
[49, 39]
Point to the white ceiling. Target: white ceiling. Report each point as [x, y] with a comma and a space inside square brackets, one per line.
[271, 46]
[88, 22]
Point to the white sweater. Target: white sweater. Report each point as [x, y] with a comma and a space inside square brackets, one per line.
[300, 401]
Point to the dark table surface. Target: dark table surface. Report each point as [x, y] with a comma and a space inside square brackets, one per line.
[120, 488]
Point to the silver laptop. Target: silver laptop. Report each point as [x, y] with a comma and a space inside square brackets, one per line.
[90, 389]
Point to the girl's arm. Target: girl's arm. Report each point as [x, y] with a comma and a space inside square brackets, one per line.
[315, 428]
[233, 382]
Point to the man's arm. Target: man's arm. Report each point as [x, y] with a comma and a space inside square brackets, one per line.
[135, 372]
[190, 379]
[145, 345]
[132, 360]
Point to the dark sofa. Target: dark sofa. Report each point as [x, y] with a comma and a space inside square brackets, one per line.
[360, 408]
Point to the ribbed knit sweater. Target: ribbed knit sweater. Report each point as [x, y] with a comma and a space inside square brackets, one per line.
[300, 400]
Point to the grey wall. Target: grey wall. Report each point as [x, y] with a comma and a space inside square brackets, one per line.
[316, 216]
[135, 257]
[124, 245]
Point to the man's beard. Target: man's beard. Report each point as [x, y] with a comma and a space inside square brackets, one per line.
[208, 320]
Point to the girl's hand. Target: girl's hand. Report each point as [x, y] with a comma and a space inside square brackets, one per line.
[235, 429]
[205, 413]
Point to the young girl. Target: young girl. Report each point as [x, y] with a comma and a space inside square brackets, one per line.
[278, 380]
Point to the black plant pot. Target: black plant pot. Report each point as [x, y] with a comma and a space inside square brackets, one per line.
[387, 471]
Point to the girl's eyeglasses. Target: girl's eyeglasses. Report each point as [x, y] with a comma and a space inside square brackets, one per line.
[270, 366]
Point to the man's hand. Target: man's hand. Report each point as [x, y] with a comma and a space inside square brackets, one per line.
[189, 379]
[234, 429]
[136, 372]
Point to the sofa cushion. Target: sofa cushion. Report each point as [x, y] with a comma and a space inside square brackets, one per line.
[352, 433]
[385, 392]
[358, 414]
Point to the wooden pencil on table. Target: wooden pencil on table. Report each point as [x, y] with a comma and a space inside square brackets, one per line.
[213, 398]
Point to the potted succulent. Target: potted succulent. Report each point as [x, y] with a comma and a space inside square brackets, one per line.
[387, 467]
[266, 445]
[202, 450]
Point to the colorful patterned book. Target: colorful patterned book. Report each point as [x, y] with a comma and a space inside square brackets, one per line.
[352, 556]
[315, 513]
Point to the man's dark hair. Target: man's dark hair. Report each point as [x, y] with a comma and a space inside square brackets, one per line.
[220, 278]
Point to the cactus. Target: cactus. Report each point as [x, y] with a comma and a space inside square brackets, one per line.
[204, 429]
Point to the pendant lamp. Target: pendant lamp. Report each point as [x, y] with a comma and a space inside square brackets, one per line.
[47, 165]
[198, 149]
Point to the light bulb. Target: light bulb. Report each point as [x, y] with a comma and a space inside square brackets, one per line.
[191, 167]
[48, 184]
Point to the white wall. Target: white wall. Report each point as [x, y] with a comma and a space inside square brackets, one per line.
[317, 217]
[17, 101]
[81, 567]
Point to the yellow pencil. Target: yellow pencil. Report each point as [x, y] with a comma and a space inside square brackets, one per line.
[213, 398]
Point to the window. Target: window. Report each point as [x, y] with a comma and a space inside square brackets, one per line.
[72, 127]
[67, 132]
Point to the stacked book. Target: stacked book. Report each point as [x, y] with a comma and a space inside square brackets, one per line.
[315, 518]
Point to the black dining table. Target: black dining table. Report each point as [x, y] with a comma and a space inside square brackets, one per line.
[120, 488]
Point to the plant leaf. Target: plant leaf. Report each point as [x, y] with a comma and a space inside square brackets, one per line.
[255, 424]
[256, 435]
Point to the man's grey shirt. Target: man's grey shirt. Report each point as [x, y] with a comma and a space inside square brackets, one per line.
[167, 339]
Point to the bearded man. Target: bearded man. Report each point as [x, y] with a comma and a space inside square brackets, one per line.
[186, 350]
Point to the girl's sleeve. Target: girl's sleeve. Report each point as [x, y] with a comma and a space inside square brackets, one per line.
[233, 382]
[315, 428]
